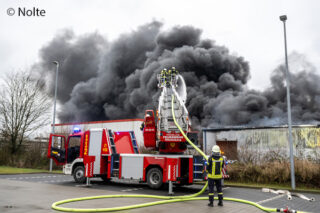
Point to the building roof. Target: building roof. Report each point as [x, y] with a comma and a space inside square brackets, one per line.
[99, 122]
[229, 128]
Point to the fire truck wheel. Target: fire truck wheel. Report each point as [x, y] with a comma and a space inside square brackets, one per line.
[154, 178]
[78, 174]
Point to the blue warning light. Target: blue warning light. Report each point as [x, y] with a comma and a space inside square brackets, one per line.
[76, 130]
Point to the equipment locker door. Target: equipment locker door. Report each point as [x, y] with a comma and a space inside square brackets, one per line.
[57, 149]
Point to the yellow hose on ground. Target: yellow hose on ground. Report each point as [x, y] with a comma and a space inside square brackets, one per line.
[165, 199]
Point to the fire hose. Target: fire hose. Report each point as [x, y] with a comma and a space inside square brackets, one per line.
[289, 194]
[164, 199]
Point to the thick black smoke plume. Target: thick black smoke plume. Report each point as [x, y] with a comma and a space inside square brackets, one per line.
[102, 80]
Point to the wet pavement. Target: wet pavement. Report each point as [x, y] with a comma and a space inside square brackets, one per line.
[36, 193]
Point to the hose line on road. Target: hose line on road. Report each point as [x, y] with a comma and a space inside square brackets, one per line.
[164, 199]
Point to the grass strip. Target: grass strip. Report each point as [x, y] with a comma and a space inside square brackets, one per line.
[14, 170]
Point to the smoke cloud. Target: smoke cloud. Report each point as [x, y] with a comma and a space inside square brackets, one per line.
[102, 80]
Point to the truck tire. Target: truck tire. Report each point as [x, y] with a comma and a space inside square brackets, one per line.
[78, 174]
[154, 178]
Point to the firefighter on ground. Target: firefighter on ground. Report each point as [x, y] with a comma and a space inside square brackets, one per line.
[214, 170]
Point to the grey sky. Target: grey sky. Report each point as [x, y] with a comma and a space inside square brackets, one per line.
[249, 28]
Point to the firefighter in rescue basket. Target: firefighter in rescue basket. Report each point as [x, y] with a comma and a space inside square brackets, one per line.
[214, 170]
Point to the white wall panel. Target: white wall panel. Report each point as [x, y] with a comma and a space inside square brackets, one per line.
[114, 126]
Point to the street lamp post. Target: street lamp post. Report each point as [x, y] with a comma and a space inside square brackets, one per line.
[54, 105]
[293, 182]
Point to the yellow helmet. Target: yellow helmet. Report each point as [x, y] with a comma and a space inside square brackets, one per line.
[216, 150]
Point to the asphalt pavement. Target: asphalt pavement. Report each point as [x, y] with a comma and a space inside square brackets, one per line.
[36, 193]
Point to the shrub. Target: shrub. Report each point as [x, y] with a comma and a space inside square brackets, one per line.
[32, 156]
[275, 169]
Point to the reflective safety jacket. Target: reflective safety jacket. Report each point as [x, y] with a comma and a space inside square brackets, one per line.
[215, 166]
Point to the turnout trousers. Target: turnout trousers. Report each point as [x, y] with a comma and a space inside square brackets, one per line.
[217, 183]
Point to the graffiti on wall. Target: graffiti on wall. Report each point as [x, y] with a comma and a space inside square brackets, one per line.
[307, 137]
[306, 140]
[303, 137]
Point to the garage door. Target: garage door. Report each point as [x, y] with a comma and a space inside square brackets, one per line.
[229, 149]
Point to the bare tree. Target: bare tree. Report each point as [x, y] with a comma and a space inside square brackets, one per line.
[24, 108]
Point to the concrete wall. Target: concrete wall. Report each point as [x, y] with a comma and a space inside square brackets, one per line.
[306, 140]
[117, 125]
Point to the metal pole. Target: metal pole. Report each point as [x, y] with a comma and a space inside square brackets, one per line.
[170, 188]
[293, 182]
[204, 140]
[54, 105]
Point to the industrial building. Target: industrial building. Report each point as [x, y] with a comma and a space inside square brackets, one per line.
[306, 140]
[114, 125]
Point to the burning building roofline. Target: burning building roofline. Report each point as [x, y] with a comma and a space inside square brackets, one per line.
[229, 128]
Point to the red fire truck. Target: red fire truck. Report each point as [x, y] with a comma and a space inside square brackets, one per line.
[107, 154]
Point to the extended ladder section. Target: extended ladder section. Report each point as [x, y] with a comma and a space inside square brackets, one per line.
[166, 120]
